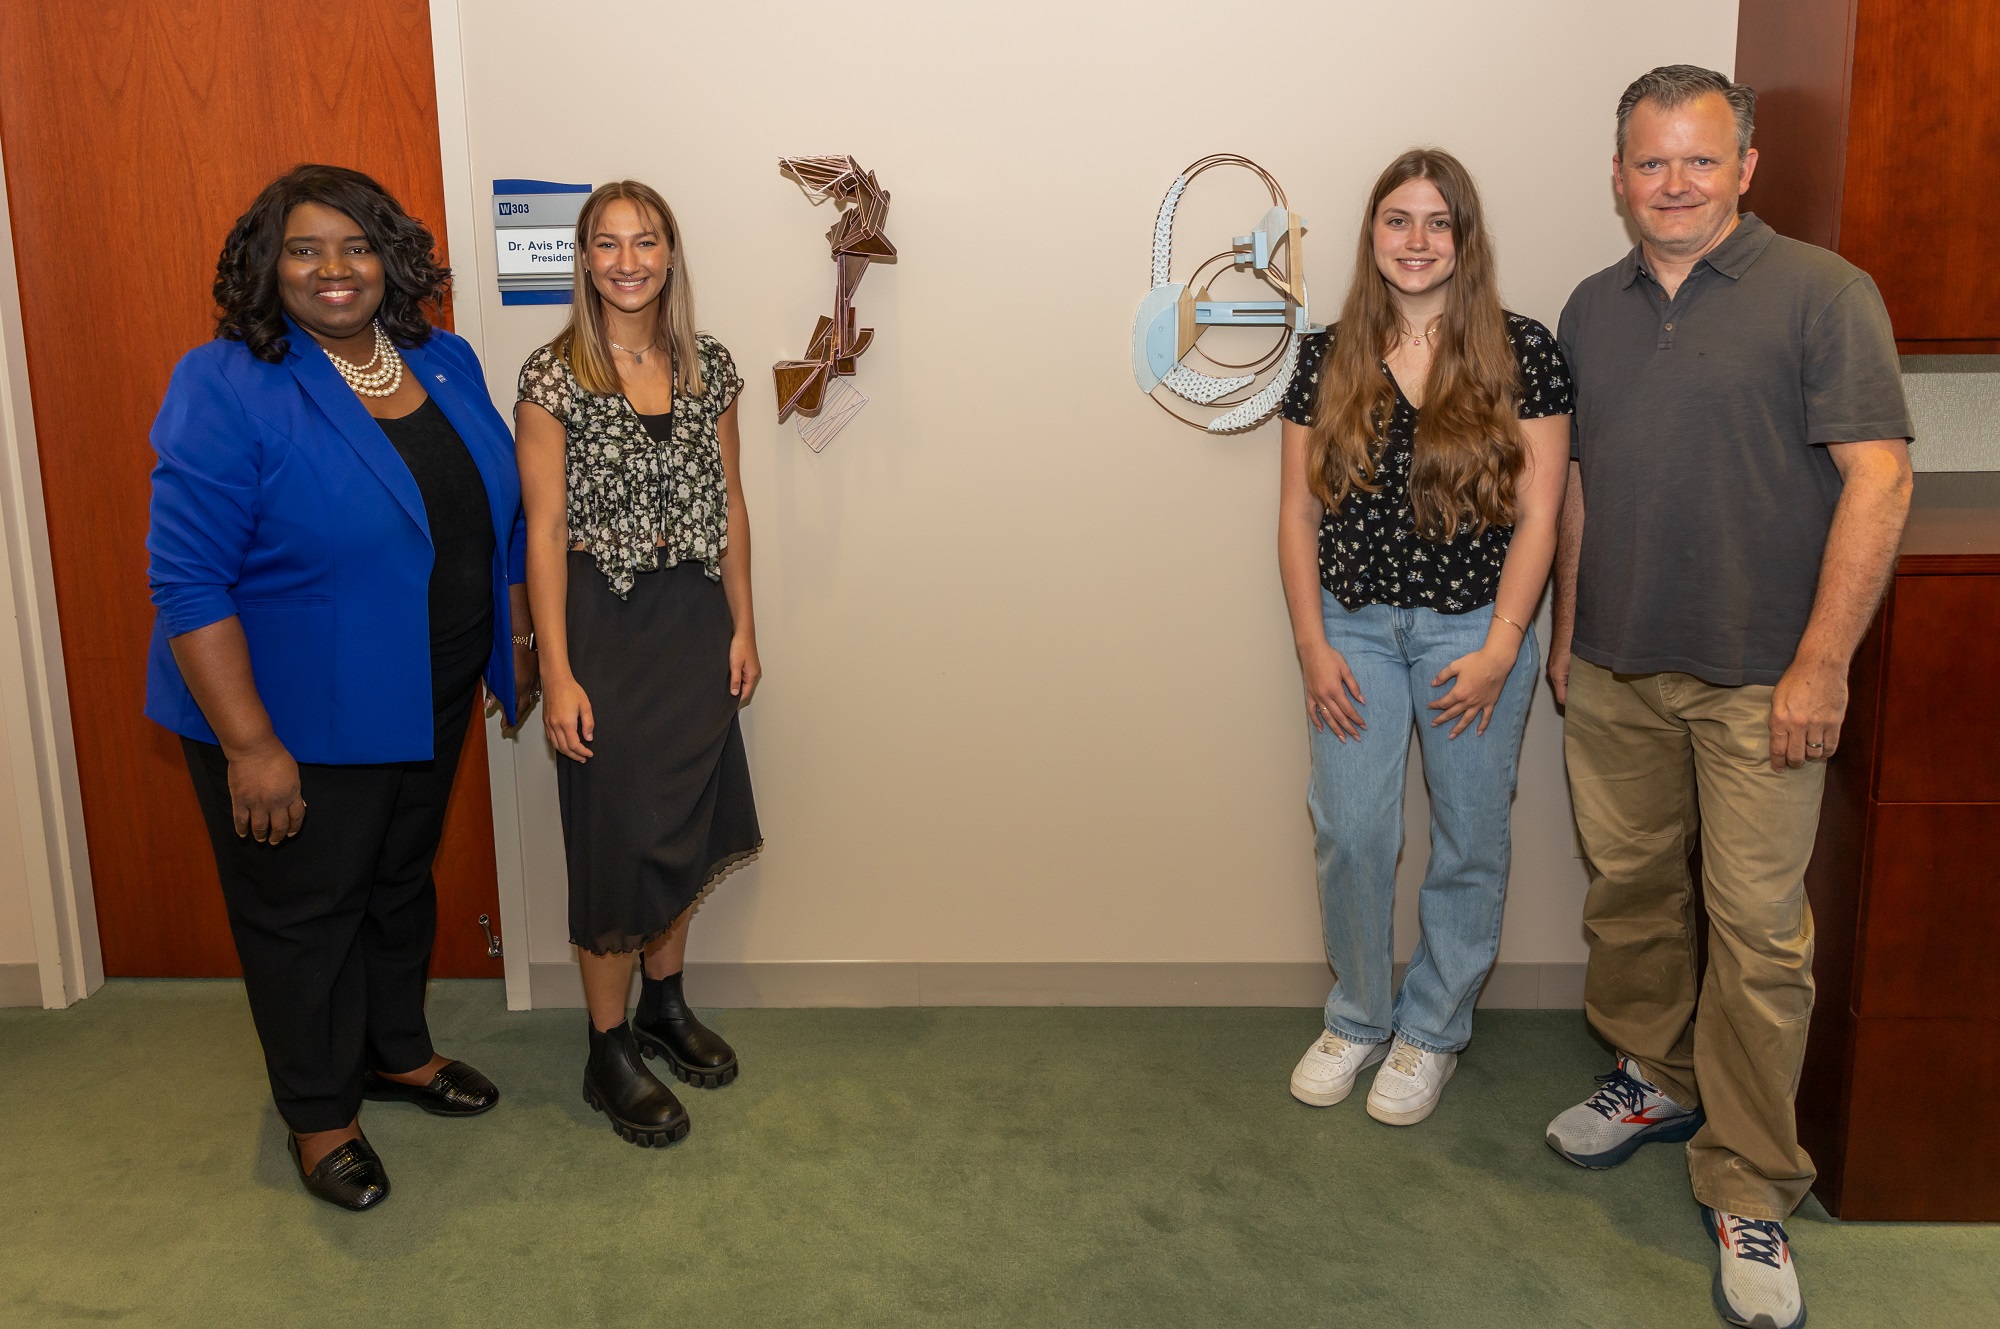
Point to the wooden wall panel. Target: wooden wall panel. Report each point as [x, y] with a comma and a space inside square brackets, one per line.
[1834, 886]
[1923, 131]
[1906, 893]
[1937, 1163]
[1937, 744]
[1932, 912]
[135, 133]
[1875, 119]
[1794, 52]
[467, 883]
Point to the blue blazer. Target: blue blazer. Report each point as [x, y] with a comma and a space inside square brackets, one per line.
[279, 500]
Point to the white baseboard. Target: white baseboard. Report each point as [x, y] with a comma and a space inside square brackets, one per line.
[20, 985]
[892, 983]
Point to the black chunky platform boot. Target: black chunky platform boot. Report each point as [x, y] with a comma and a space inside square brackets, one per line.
[666, 1027]
[617, 1083]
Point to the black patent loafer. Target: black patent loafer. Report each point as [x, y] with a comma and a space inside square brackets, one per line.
[456, 1090]
[350, 1176]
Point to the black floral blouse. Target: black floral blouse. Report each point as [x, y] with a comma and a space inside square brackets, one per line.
[1369, 549]
[628, 491]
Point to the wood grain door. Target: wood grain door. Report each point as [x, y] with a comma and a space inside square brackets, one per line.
[135, 132]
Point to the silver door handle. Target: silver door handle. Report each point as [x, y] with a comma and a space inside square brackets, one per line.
[492, 942]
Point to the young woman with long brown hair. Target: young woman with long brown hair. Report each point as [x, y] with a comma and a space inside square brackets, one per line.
[639, 568]
[1426, 443]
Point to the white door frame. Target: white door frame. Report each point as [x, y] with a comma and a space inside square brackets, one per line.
[40, 748]
[469, 267]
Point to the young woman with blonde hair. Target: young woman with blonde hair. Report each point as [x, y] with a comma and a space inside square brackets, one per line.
[1426, 444]
[639, 572]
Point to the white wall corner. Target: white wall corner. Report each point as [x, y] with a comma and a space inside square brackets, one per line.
[461, 231]
[461, 194]
[34, 690]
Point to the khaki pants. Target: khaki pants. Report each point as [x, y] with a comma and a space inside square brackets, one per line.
[1652, 759]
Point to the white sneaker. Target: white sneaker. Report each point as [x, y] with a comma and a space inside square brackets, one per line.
[1756, 1284]
[1325, 1075]
[1626, 1111]
[1408, 1086]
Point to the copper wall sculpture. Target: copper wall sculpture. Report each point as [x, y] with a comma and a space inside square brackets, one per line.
[857, 239]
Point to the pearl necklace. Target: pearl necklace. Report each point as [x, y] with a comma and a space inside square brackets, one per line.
[383, 373]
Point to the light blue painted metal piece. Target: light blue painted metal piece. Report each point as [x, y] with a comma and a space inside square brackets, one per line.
[1156, 335]
[1255, 249]
[1240, 313]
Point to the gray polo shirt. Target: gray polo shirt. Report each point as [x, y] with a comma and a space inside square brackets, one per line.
[1699, 424]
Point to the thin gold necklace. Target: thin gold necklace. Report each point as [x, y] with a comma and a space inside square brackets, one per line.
[1419, 338]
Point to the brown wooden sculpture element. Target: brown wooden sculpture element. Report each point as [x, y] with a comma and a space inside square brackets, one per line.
[857, 240]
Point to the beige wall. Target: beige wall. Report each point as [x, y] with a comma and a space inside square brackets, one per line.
[1030, 691]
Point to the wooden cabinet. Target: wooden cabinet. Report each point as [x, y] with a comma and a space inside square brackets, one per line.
[1903, 1065]
[1877, 126]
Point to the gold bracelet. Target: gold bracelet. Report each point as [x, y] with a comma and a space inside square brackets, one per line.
[1510, 623]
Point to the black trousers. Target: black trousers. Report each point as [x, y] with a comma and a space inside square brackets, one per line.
[334, 925]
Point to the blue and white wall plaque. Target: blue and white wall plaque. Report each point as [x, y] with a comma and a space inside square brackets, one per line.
[534, 239]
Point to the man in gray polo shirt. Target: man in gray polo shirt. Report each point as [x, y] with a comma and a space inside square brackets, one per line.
[1740, 479]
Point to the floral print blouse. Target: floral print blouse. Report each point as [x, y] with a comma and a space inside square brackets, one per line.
[630, 492]
[1369, 549]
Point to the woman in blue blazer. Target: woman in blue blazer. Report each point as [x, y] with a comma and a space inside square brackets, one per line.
[336, 552]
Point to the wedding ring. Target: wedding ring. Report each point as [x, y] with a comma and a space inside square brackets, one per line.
[1815, 745]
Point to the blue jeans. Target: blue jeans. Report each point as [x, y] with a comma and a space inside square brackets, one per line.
[1357, 809]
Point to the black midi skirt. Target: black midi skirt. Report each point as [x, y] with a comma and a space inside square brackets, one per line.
[663, 806]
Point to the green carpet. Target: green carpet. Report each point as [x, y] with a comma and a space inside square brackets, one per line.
[1016, 1167]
